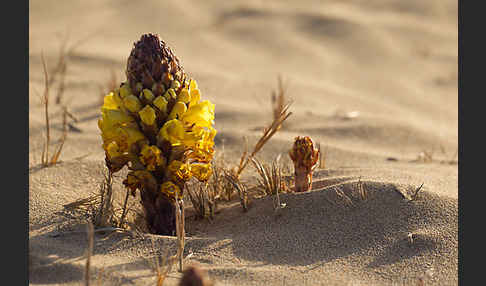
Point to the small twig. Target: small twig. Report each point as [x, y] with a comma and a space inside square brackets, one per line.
[414, 195]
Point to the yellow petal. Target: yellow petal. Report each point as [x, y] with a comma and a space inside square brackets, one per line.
[195, 97]
[148, 95]
[147, 115]
[170, 94]
[180, 170]
[193, 84]
[161, 103]
[125, 90]
[109, 102]
[202, 172]
[112, 150]
[178, 110]
[172, 131]
[184, 96]
[175, 84]
[171, 189]
[132, 103]
[201, 114]
[151, 157]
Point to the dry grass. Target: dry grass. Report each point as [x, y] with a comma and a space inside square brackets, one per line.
[161, 265]
[268, 132]
[203, 199]
[240, 187]
[45, 160]
[279, 100]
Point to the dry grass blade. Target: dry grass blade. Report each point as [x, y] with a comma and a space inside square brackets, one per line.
[240, 187]
[267, 134]
[203, 200]
[278, 99]
[415, 193]
[105, 212]
[45, 101]
[180, 231]
[362, 190]
[87, 272]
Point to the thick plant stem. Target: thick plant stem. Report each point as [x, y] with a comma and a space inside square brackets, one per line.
[159, 213]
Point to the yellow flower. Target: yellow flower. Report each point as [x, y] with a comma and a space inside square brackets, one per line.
[151, 157]
[111, 120]
[148, 95]
[112, 150]
[125, 90]
[184, 96]
[195, 97]
[147, 115]
[175, 84]
[178, 110]
[180, 170]
[127, 136]
[170, 189]
[201, 114]
[161, 103]
[172, 131]
[192, 84]
[132, 103]
[109, 102]
[170, 94]
[202, 172]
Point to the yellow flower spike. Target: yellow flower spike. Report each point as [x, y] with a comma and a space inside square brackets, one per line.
[161, 103]
[178, 110]
[132, 103]
[202, 172]
[172, 131]
[195, 96]
[201, 114]
[109, 102]
[170, 189]
[150, 156]
[180, 170]
[184, 96]
[147, 115]
[148, 95]
[125, 90]
[175, 84]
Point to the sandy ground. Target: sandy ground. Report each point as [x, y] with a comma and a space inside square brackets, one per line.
[395, 62]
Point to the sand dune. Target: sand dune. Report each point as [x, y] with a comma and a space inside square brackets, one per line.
[393, 62]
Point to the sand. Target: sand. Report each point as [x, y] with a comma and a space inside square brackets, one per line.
[394, 62]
